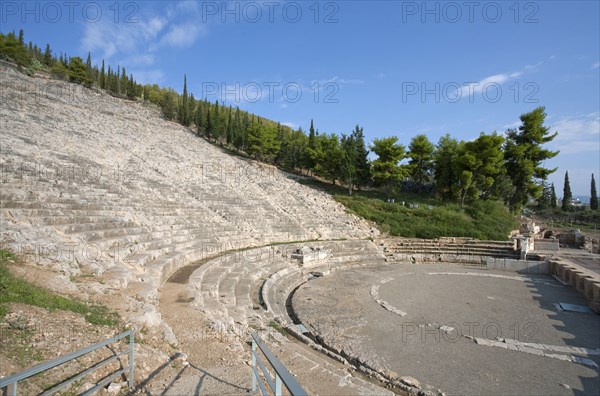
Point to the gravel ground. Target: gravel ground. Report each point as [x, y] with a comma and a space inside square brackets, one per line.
[416, 320]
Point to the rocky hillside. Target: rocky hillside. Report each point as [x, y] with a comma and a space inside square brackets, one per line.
[114, 199]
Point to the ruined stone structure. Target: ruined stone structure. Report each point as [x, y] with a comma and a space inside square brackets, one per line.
[115, 200]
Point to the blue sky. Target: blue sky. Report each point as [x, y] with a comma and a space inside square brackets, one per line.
[394, 67]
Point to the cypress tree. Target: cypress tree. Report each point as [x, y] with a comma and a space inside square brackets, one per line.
[118, 80]
[88, 66]
[311, 136]
[216, 122]
[553, 199]
[238, 134]
[102, 76]
[209, 124]
[184, 109]
[229, 136]
[200, 116]
[363, 168]
[47, 59]
[567, 195]
[593, 195]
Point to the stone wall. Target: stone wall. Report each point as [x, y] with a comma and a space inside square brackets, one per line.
[584, 281]
[546, 245]
[519, 266]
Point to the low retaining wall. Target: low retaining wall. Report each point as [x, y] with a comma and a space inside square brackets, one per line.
[440, 258]
[520, 266]
[550, 245]
[584, 281]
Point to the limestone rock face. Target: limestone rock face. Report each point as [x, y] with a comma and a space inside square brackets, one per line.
[99, 188]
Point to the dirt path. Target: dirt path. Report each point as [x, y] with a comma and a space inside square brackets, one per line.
[215, 364]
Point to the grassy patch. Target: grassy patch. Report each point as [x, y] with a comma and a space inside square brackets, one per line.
[431, 219]
[16, 343]
[278, 327]
[484, 220]
[13, 289]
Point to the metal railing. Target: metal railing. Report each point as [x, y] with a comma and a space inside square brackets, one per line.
[10, 383]
[282, 375]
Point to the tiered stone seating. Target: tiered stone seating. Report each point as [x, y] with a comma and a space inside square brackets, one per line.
[447, 250]
[229, 289]
[145, 193]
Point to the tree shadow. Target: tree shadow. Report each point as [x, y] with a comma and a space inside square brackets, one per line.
[143, 388]
[574, 328]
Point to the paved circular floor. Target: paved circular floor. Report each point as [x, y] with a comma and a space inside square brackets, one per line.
[458, 329]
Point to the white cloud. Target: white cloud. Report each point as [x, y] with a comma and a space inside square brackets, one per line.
[290, 124]
[596, 65]
[109, 38]
[135, 44]
[577, 134]
[183, 35]
[498, 79]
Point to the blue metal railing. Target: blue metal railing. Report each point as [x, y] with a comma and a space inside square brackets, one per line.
[282, 375]
[10, 383]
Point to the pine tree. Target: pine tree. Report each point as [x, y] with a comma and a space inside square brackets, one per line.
[445, 155]
[78, 72]
[544, 201]
[47, 59]
[420, 152]
[525, 155]
[593, 195]
[387, 170]
[567, 195]
[553, 199]
[478, 165]
[11, 48]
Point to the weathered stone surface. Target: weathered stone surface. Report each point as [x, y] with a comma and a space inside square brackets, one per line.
[410, 381]
[96, 185]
